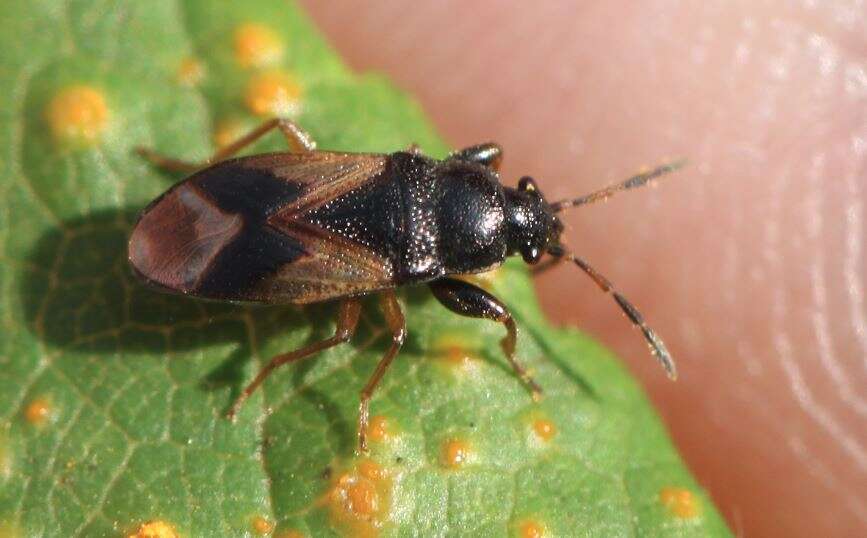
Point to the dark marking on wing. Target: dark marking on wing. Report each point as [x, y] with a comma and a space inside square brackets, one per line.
[253, 192]
[371, 216]
[258, 251]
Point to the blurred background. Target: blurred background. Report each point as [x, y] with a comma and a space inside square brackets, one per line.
[750, 263]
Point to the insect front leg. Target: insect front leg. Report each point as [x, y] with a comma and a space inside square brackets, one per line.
[397, 324]
[347, 321]
[298, 139]
[489, 154]
[468, 300]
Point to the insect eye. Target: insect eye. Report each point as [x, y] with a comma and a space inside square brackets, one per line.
[527, 184]
[532, 255]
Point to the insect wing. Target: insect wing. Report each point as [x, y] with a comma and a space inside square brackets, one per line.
[235, 231]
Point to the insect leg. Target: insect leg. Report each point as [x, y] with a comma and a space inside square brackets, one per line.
[489, 154]
[297, 138]
[394, 318]
[468, 300]
[168, 164]
[347, 320]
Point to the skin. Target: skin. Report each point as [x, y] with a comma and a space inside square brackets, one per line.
[750, 263]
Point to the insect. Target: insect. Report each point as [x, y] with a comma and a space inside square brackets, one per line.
[307, 226]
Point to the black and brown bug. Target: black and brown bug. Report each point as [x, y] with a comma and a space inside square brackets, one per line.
[308, 226]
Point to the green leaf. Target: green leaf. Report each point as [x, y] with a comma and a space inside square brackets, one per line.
[112, 395]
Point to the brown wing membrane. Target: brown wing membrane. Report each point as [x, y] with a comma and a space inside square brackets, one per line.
[179, 237]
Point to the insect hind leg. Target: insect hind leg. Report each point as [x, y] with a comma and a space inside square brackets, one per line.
[468, 300]
[169, 164]
[397, 324]
[347, 321]
[298, 139]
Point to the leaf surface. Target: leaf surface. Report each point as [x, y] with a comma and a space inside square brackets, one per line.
[112, 395]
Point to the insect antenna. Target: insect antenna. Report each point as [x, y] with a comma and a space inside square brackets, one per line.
[655, 343]
[635, 181]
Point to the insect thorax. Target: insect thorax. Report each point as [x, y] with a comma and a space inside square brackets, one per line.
[453, 218]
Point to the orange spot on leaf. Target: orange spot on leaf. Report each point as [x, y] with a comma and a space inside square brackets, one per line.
[257, 45]
[190, 72]
[38, 411]
[155, 529]
[455, 453]
[370, 469]
[544, 428]
[531, 529]
[77, 114]
[360, 499]
[273, 93]
[378, 429]
[261, 525]
[456, 355]
[454, 352]
[680, 502]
